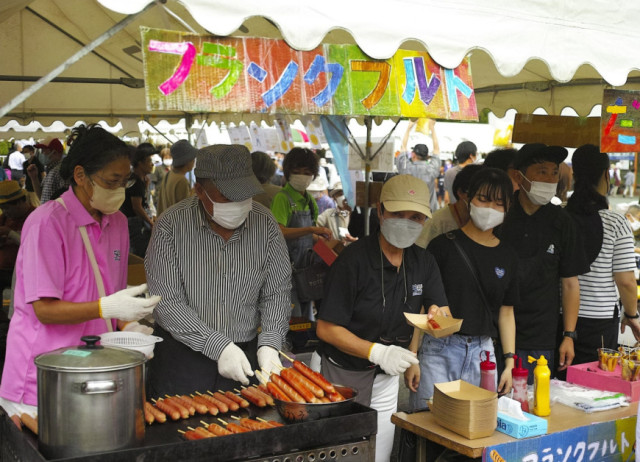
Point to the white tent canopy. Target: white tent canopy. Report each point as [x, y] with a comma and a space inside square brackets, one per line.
[524, 55]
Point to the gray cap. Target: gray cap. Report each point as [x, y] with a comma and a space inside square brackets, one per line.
[182, 153]
[228, 166]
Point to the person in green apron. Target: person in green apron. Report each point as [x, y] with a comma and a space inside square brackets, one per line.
[296, 212]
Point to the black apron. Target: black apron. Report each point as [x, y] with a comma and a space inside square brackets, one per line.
[177, 369]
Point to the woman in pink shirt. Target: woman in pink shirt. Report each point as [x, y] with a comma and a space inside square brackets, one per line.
[57, 297]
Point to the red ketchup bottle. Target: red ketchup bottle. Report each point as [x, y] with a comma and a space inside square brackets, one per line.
[488, 373]
[520, 376]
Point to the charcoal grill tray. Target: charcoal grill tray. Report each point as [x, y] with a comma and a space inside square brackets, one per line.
[164, 443]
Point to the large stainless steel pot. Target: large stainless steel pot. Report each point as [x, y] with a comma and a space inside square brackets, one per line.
[90, 399]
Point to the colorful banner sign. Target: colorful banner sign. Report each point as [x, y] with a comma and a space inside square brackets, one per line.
[605, 441]
[620, 121]
[204, 73]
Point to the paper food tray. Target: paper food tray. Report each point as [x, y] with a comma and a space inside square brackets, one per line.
[465, 409]
[447, 324]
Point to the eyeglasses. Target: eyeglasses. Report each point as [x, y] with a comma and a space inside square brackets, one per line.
[115, 184]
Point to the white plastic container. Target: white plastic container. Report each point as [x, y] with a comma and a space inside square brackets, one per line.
[131, 340]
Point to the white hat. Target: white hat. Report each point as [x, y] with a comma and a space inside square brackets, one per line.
[319, 184]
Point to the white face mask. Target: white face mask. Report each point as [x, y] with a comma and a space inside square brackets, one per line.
[167, 162]
[540, 192]
[105, 200]
[300, 182]
[485, 217]
[230, 215]
[340, 201]
[400, 232]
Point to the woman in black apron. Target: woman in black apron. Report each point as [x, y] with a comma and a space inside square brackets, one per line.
[296, 212]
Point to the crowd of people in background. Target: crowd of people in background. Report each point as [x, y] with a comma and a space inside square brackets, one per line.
[228, 238]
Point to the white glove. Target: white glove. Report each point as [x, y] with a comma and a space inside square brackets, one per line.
[125, 304]
[269, 360]
[135, 326]
[394, 360]
[233, 364]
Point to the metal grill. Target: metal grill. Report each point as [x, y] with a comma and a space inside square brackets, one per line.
[346, 438]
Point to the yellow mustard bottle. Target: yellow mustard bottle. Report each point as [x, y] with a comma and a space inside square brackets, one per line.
[541, 384]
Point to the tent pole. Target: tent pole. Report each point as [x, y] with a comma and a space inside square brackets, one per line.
[188, 124]
[159, 132]
[367, 174]
[70, 61]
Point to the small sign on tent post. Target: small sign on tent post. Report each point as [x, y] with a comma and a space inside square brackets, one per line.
[620, 121]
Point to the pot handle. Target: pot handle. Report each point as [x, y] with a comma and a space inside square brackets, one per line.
[93, 387]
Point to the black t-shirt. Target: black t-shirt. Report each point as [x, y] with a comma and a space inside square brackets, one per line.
[353, 295]
[496, 270]
[548, 249]
[138, 189]
[28, 184]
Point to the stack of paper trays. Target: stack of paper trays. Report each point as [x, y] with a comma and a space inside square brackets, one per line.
[465, 409]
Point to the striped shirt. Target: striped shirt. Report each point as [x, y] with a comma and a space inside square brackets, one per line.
[52, 183]
[216, 292]
[598, 291]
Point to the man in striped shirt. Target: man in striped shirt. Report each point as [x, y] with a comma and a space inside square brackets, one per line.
[221, 265]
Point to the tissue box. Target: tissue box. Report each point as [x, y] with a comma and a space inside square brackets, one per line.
[534, 426]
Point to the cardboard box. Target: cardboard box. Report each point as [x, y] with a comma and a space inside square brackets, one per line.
[328, 250]
[135, 271]
[551, 130]
[375, 188]
[448, 325]
[534, 426]
[590, 375]
[465, 409]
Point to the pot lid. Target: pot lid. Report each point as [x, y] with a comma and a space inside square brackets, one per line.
[89, 357]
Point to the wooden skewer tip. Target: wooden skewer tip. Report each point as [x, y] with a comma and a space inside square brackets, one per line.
[285, 356]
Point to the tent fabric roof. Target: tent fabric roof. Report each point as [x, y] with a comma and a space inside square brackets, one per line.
[524, 54]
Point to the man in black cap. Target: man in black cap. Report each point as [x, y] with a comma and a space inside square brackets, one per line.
[423, 166]
[466, 154]
[545, 238]
[175, 187]
[221, 265]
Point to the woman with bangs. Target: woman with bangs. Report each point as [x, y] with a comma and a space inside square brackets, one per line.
[479, 276]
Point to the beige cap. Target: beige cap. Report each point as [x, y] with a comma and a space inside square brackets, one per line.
[406, 192]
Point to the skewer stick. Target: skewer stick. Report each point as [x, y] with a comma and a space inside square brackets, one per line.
[234, 417]
[191, 428]
[277, 366]
[285, 356]
[181, 431]
[154, 401]
[261, 377]
[223, 421]
[210, 392]
[261, 419]
[204, 423]
[236, 390]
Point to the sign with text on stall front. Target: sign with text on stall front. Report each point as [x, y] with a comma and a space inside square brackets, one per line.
[605, 441]
[205, 73]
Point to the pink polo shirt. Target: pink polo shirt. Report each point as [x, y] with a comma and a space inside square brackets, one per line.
[52, 262]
